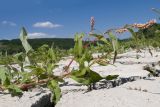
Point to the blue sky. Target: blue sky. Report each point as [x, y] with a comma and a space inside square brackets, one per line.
[63, 18]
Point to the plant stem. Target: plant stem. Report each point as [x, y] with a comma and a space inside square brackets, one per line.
[25, 87]
[66, 69]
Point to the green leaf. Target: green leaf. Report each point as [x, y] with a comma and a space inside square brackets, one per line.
[81, 76]
[114, 41]
[78, 48]
[50, 68]
[4, 77]
[26, 45]
[36, 71]
[23, 38]
[51, 54]
[111, 77]
[54, 87]
[114, 45]
[88, 78]
[79, 73]
[14, 90]
[86, 57]
[94, 77]
[100, 37]
[82, 80]
[19, 57]
[105, 40]
[102, 62]
[26, 77]
[2, 74]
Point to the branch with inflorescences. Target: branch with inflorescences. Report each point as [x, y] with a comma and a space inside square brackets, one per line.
[132, 27]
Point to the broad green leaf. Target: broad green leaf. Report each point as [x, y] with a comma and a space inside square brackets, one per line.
[2, 74]
[111, 77]
[4, 77]
[54, 87]
[19, 57]
[82, 80]
[50, 67]
[100, 37]
[81, 75]
[80, 72]
[102, 62]
[78, 48]
[37, 71]
[51, 54]
[14, 90]
[26, 77]
[114, 41]
[86, 57]
[94, 77]
[87, 79]
[26, 45]
[105, 40]
[114, 45]
[23, 38]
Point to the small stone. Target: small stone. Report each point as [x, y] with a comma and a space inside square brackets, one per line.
[129, 88]
[124, 80]
[144, 90]
[109, 84]
[136, 78]
[135, 88]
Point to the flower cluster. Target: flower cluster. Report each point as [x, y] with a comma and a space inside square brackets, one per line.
[92, 22]
[121, 30]
[139, 26]
[144, 26]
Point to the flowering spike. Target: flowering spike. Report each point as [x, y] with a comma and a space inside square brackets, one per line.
[144, 26]
[92, 23]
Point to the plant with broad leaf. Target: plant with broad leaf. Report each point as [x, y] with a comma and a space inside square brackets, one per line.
[23, 71]
[136, 36]
[138, 39]
[111, 43]
[36, 68]
[83, 56]
[107, 45]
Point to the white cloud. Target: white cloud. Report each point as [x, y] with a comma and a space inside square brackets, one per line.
[9, 23]
[46, 24]
[39, 35]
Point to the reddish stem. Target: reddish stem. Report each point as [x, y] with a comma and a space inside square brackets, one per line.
[66, 70]
[85, 46]
[25, 87]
